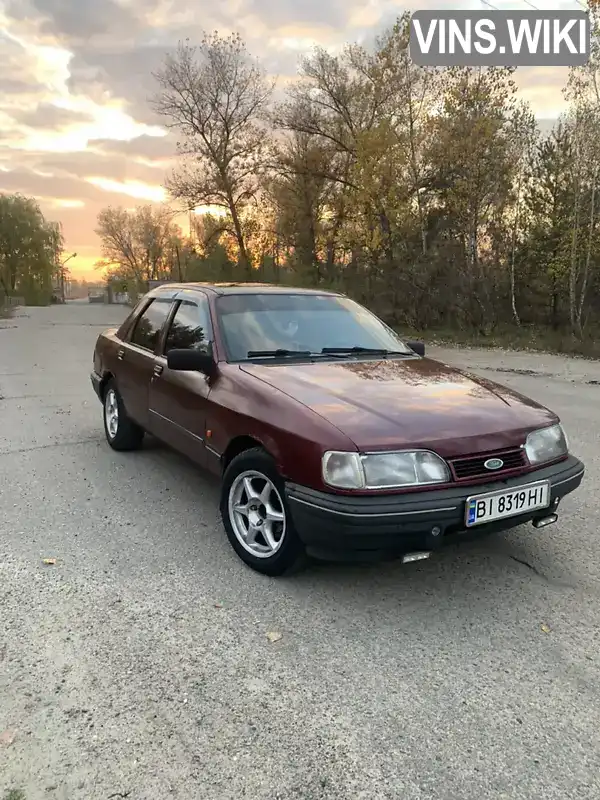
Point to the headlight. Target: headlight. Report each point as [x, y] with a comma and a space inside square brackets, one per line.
[546, 444]
[383, 470]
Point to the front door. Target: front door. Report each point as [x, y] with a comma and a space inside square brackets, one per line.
[136, 359]
[178, 400]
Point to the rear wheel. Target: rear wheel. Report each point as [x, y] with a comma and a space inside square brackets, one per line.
[121, 432]
[256, 516]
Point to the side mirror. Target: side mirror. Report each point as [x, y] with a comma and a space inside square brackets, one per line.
[191, 360]
[418, 347]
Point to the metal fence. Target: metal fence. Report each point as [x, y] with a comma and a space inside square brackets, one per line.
[11, 302]
[8, 306]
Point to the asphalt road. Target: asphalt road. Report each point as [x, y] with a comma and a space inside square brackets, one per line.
[139, 665]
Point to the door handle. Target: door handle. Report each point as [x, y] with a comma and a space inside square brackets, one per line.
[121, 354]
[158, 370]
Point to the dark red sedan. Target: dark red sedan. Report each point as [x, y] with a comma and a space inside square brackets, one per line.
[334, 438]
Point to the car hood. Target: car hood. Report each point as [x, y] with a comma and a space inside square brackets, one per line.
[409, 403]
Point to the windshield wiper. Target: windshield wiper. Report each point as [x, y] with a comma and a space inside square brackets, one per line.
[371, 351]
[326, 351]
[280, 353]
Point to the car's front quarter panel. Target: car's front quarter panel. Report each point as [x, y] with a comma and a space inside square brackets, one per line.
[296, 437]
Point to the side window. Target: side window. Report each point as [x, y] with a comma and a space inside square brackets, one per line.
[190, 327]
[149, 324]
[129, 321]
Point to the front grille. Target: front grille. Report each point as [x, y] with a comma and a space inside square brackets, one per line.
[472, 466]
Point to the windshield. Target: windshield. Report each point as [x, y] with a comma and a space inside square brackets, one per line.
[299, 322]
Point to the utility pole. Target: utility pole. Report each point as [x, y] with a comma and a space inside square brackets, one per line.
[62, 275]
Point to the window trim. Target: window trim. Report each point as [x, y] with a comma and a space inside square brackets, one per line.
[131, 332]
[193, 299]
[130, 322]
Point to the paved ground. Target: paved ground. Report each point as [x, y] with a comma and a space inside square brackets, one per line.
[139, 666]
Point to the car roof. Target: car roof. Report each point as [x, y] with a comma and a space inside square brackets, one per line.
[241, 288]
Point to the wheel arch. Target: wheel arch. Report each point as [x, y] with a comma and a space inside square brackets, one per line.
[238, 445]
[108, 376]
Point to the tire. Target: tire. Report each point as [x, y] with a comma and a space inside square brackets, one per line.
[288, 554]
[121, 432]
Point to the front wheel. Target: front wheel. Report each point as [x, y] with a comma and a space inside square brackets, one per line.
[256, 517]
[122, 433]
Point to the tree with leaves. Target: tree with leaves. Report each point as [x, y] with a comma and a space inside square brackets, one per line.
[428, 194]
[583, 92]
[30, 249]
[297, 193]
[547, 208]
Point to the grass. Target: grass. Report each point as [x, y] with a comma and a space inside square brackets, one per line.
[14, 794]
[526, 338]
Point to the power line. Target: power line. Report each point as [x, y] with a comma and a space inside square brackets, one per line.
[532, 5]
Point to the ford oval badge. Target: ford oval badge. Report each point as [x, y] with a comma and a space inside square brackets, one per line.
[493, 463]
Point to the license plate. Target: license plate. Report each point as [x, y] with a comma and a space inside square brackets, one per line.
[506, 503]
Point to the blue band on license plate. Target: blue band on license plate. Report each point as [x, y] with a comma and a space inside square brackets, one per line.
[505, 503]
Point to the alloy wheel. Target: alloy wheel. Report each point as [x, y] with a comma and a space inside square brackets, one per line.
[257, 514]
[111, 413]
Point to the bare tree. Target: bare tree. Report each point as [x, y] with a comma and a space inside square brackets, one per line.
[140, 244]
[215, 96]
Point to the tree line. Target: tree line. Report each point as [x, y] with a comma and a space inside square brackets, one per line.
[428, 194]
[30, 251]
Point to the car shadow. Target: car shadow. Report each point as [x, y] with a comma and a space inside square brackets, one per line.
[477, 589]
[493, 554]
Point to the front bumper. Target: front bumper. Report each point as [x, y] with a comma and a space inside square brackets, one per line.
[343, 527]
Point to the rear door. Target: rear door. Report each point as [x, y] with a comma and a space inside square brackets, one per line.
[178, 400]
[136, 358]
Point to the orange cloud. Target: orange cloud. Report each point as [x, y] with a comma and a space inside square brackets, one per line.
[137, 189]
[74, 118]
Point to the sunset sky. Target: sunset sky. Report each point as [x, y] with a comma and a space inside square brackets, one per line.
[75, 75]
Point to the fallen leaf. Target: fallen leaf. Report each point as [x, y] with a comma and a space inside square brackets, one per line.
[545, 628]
[7, 738]
[273, 636]
[218, 605]
[50, 562]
